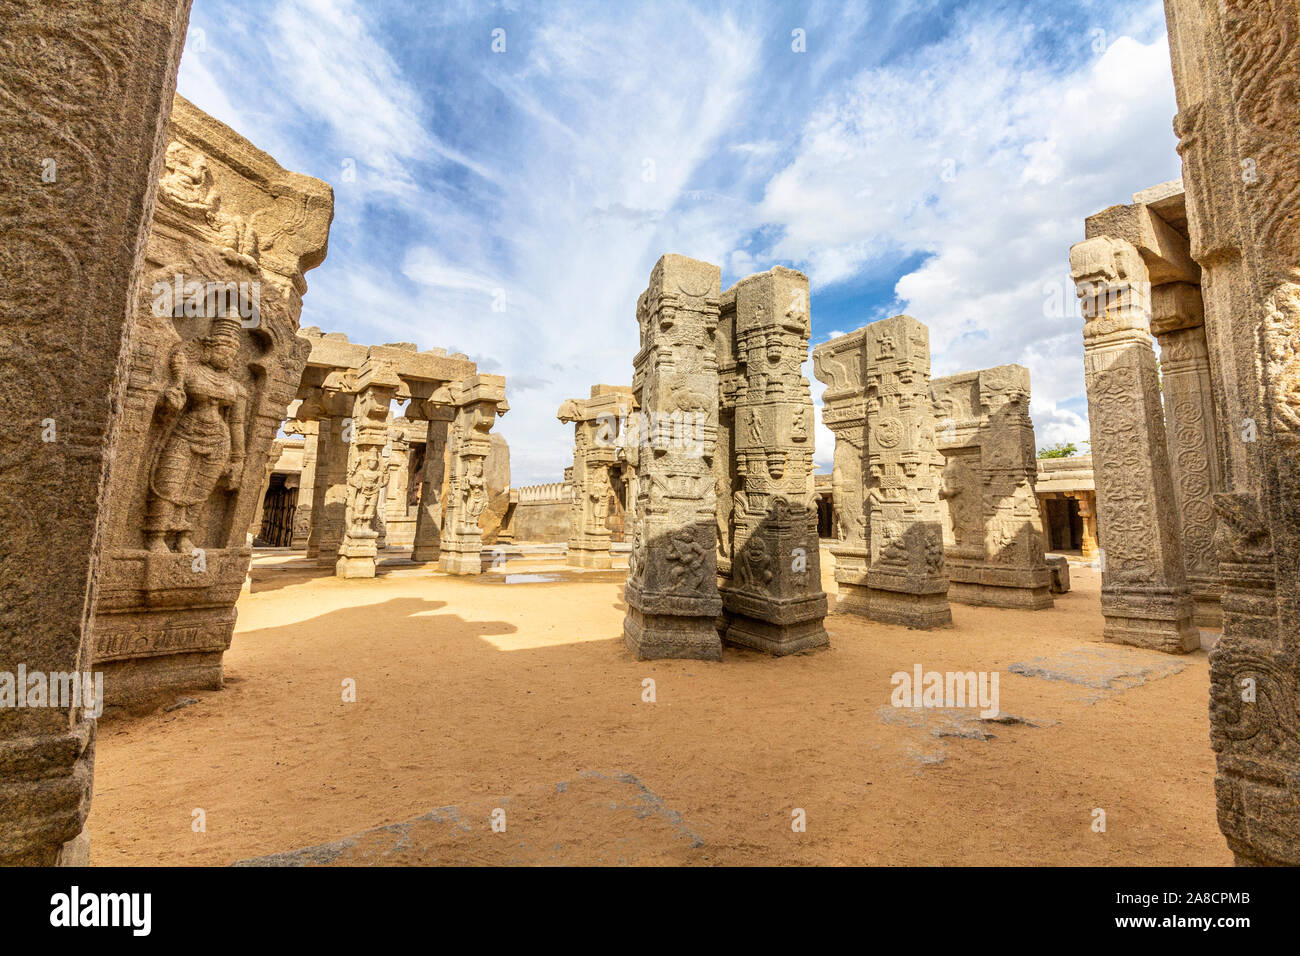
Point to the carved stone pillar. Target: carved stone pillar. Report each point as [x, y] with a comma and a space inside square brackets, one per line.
[907, 582]
[329, 510]
[842, 365]
[767, 516]
[1145, 599]
[1177, 321]
[433, 480]
[993, 534]
[672, 590]
[1236, 68]
[597, 448]
[306, 482]
[478, 402]
[367, 474]
[1087, 501]
[86, 104]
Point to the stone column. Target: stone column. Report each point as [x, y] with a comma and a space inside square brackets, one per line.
[329, 511]
[1236, 66]
[306, 482]
[1178, 322]
[672, 589]
[771, 589]
[88, 95]
[993, 531]
[597, 440]
[433, 479]
[907, 582]
[1145, 599]
[1087, 501]
[366, 475]
[478, 402]
[841, 364]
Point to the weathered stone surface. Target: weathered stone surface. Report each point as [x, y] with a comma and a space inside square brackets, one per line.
[993, 535]
[1060, 571]
[1145, 599]
[478, 402]
[672, 590]
[599, 423]
[367, 471]
[1236, 68]
[768, 559]
[87, 94]
[214, 365]
[878, 398]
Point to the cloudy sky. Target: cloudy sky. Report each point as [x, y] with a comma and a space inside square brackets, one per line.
[505, 194]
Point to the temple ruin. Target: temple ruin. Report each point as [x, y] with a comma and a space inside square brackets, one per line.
[599, 469]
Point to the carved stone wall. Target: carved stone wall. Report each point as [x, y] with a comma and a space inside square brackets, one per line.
[768, 557]
[215, 363]
[993, 535]
[598, 432]
[1236, 69]
[1145, 599]
[672, 591]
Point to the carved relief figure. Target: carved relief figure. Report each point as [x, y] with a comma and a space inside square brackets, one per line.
[203, 437]
[366, 481]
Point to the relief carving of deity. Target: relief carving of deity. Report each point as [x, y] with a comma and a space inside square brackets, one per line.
[476, 497]
[366, 481]
[204, 412]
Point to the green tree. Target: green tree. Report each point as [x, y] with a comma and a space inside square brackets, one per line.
[1062, 449]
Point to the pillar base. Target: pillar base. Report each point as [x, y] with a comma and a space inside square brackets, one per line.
[426, 553]
[667, 637]
[355, 566]
[592, 560]
[142, 683]
[453, 562]
[987, 595]
[1159, 621]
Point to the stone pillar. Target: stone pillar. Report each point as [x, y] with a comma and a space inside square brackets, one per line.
[1178, 322]
[329, 511]
[842, 365]
[306, 482]
[993, 531]
[672, 589]
[366, 475]
[770, 562]
[1087, 501]
[215, 364]
[907, 582]
[478, 402]
[1145, 599]
[88, 94]
[597, 448]
[1236, 64]
[433, 479]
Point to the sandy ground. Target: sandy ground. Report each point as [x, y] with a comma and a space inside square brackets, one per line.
[514, 697]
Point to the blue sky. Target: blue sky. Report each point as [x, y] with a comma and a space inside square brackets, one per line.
[920, 156]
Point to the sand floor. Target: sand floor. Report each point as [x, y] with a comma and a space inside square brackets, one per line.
[514, 697]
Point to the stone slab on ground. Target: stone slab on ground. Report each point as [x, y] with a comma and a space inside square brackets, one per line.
[1109, 670]
[607, 819]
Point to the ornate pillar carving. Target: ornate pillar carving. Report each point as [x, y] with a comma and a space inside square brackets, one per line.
[1236, 68]
[478, 402]
[767, 516]
[433, 482]
[993, 533]
[672, 591]
[597, 448]
[1145, 599]
[1177, 321]
[366, 469]
[85, 112]
[841, 364]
